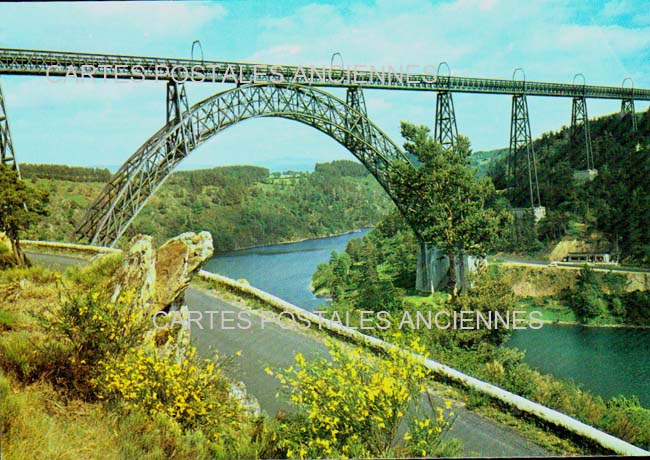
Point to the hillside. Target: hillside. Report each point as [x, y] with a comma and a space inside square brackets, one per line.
[483, 160]
[614, 206]
[241, 206]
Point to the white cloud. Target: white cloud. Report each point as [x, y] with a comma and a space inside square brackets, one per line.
[128, 27]
[477, 38]
[157, 18]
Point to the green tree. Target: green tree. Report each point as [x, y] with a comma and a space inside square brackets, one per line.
[21, 205]
[587, 298]
[445, 199]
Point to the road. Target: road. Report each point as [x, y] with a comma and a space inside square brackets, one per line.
[274, 344]
[514, 260]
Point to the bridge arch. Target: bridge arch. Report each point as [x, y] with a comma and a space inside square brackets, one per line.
[140, 176]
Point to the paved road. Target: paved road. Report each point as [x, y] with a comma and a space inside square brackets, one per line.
[515, 260]
[271, 344]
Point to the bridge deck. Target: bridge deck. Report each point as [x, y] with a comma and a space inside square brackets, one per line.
[87, 65]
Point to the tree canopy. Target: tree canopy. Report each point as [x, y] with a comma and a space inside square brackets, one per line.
[20, 206]
[445, 199]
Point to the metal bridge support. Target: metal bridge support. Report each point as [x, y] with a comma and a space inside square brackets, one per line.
[7, 154]
[521, 155]
[177, 108]
[580, 127]
[445, 131]
[140, 176]
[627, 108]
[356, 122]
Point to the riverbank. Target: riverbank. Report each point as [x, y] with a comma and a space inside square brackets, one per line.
[554, 312]
[601, 326]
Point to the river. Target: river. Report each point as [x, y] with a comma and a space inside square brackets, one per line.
[283, 270]
[607, 361]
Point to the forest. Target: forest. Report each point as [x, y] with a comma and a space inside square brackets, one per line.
[241, 206]
[614, 206]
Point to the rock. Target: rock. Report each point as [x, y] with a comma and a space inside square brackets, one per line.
[249, 403]
[137, 272]
[177, 261]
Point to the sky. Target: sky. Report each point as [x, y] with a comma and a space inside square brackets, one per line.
[97, 123]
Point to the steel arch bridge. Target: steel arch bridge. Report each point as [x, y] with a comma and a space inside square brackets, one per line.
[187, 128]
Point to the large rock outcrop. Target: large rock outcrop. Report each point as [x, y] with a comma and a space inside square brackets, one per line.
[177, 261]
[137, 272]
[158, 278]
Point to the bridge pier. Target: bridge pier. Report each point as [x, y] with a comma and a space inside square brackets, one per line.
[580, 127]
[522, 163]
[7, 154]
[432, 268]
[445, 130]
[627, 104]
[177, 108]
[355, 123]
[627, 108]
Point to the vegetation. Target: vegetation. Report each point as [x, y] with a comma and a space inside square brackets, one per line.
[595, 298]
[353, 405]
[446, 201]
[241, 206]
[64, 173]
[116, 392]
[479, 353]
[614, 204]
[85, 375]
[21, 206]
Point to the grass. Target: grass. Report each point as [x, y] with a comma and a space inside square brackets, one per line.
[433, 301]
[551, 309]
[41, 416]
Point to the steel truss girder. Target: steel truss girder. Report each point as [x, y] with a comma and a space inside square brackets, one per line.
[580, 127]
[7, 154]
[445, 131]
[522, 162]
[627, 108]
[62, 64]
[141, 175]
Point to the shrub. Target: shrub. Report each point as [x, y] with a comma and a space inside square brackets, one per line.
[193, 392]
[31, 357]
[354, 404]
[96, 329]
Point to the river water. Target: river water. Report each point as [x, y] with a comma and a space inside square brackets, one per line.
[607, 361]
[283, 270]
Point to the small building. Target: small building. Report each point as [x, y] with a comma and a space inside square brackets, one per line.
[589, 258]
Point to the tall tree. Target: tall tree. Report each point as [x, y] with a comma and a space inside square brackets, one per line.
[20, 206]
[445, 199]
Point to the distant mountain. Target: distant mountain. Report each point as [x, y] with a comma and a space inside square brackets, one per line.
[241, 206]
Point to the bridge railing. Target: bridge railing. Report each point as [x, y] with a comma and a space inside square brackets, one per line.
[66, 64]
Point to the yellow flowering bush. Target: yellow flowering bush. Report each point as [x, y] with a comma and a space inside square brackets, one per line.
[92, 328]
[155, 381]
[353, 404]
[97, 328]
[423, 437]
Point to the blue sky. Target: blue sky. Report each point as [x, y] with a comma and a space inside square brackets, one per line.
[102, 123]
